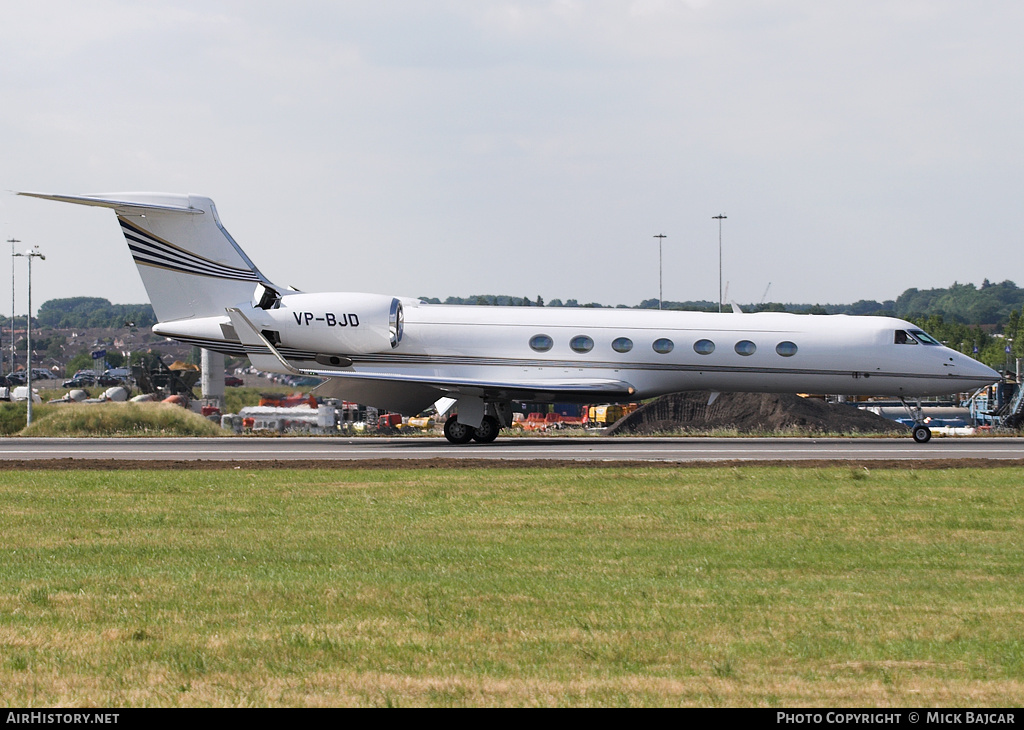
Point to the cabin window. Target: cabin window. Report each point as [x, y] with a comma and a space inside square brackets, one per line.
[581, 343]
[703, 347]
[903, 338]
[745, 347]
[663, 346]
[541, 343]
[622, 344]
[924, 338]
[786, 349]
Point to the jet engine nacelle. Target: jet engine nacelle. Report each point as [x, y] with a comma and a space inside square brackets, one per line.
[336, 324]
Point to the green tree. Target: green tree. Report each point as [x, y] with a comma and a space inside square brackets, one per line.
[84, 312]
[82, 361]
[957, 335]
[55, 348]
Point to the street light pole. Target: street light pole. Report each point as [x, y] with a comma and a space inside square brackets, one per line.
[12, 241]
[721, 217]
[128, 363]
[661, 237]
[31, 254]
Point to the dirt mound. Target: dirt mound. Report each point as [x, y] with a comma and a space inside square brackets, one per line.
[750, 413]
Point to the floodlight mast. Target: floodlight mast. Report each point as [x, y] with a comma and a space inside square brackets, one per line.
[721, 217]
[12, 241]
[661, 237]
[30, 254]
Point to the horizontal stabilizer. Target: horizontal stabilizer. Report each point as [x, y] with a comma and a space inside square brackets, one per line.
[127, 201]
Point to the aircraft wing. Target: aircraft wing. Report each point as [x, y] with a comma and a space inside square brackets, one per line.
[411, 393]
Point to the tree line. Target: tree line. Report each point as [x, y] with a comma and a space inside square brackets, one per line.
[989, 304]
[88, 312]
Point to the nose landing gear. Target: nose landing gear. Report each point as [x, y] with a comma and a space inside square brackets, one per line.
[921, 433]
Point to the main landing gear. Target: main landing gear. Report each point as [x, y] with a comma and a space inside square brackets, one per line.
[921, 433]
[460, 433]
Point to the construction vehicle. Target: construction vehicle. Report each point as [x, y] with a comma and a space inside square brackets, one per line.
[423, 422]
[164, 381]
[601, 416]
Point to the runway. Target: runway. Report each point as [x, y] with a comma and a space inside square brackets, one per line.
[592, 449]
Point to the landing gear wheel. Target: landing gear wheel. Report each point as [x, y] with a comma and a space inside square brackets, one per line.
[921, 433]
[488, 430]
[458, 433]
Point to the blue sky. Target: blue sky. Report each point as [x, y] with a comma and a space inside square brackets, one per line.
[528, 148]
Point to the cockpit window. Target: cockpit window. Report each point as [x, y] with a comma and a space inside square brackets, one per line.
[904, 338]
[924, 338]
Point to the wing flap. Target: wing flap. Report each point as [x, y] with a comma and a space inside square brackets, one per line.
[579, 386]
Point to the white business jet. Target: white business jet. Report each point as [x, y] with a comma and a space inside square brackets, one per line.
[402, 354]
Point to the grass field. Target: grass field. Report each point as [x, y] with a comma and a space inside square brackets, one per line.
[714, 587]
[97, 420]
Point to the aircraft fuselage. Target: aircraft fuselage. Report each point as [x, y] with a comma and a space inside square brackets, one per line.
[656, 352]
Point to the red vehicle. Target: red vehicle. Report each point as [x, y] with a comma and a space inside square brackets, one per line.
[544, 421]
[232, 381]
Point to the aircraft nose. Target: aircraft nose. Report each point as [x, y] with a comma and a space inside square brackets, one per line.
[975, 370]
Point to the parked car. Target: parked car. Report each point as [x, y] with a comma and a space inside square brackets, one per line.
[79, 381]
[108, 380]
[233, 381]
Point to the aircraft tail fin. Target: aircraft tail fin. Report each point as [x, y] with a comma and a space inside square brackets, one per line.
[189, 263]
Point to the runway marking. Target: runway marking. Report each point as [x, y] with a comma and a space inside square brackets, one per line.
[668, 453]
[480, 452]
[406, 452]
